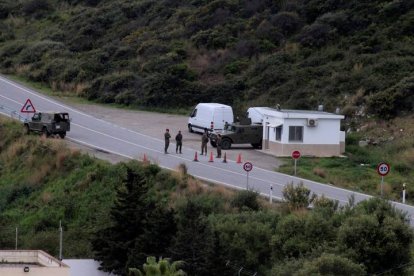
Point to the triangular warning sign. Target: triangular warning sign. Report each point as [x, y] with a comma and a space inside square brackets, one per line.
[28, 107]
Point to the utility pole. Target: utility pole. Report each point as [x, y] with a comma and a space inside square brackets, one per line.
[60, 239]
[16, 238]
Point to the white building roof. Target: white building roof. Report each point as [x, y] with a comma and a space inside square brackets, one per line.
[297, 114]
[85, 267]
[28, 257]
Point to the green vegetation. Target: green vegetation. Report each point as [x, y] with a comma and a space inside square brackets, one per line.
[161, 268]
[389, 142]
[167, 55]
[121, 214]
[172, 54]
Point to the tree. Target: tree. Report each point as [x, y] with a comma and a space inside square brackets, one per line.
[376, 235]
[161, 268]
[139, 227]
[298, 197]
[194, 240]
[297, 235]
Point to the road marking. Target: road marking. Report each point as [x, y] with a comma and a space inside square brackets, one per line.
[252, 177]
[67, 107]
[87, 115]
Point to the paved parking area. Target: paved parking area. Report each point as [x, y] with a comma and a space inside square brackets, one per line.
[154, 125]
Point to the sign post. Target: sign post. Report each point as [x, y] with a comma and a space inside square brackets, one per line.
[295, 156]
[271, 193]
[383, 169]
[403, 199]
[247, 167]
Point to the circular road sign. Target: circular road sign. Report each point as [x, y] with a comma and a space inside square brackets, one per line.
[296, 154]
[383, 169]
[247, 166]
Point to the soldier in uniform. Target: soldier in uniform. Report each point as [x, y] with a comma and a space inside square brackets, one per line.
[167, 137]
[204, 141]
[179, 142]
[218, 142]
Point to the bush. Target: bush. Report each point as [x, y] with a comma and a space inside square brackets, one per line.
[393, 101]
[34, 52]
[330, 264]
[315, 35]
[287, 22]
[298, 197]
[106, 88]
[36, 7]
[246, 200]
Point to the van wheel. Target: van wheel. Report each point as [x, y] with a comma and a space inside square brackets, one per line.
[190, 128]
[225, 144]
[62, 135]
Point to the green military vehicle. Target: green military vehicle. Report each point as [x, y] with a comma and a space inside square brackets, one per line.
[239, 134]
[49, 123]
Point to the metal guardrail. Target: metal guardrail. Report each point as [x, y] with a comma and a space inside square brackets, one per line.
[12, 113]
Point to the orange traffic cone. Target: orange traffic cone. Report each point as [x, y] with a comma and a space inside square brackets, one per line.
[211, 157]
[195, 157]
[225, 158]
[239, 159]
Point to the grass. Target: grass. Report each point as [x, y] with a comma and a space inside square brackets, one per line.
[357, 170]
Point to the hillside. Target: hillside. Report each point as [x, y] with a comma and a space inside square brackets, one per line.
[356, 55]
[122, 213]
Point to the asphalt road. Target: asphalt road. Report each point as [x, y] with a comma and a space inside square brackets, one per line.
[92, 132]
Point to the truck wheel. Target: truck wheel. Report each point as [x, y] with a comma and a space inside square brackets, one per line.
[27, 129]
[190, 128]
[62, 135]
[225, 144]
[257, 146]
[45, 132]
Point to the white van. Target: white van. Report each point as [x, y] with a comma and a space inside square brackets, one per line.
[212, 116]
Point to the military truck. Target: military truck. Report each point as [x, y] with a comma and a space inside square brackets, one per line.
[237, 133]
[49, 123]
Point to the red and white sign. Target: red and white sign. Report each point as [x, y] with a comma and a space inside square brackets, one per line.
[296, 154]
[247, 166]
[383, 169]
[28, 107]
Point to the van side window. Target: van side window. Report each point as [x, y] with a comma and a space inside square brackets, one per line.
[194, 113]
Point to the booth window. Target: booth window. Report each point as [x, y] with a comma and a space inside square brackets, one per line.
[278, 131]
[296, 134]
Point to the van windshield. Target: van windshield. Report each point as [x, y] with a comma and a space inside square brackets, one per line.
[194, 113]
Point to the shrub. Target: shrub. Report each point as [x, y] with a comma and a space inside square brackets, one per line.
[35, 51]
[246, 200]
[298, 197]
[107, 87]
[36, 7]
[287, 22]
[7, 7]
[397, 99]
[315, 35]
[330, 264]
